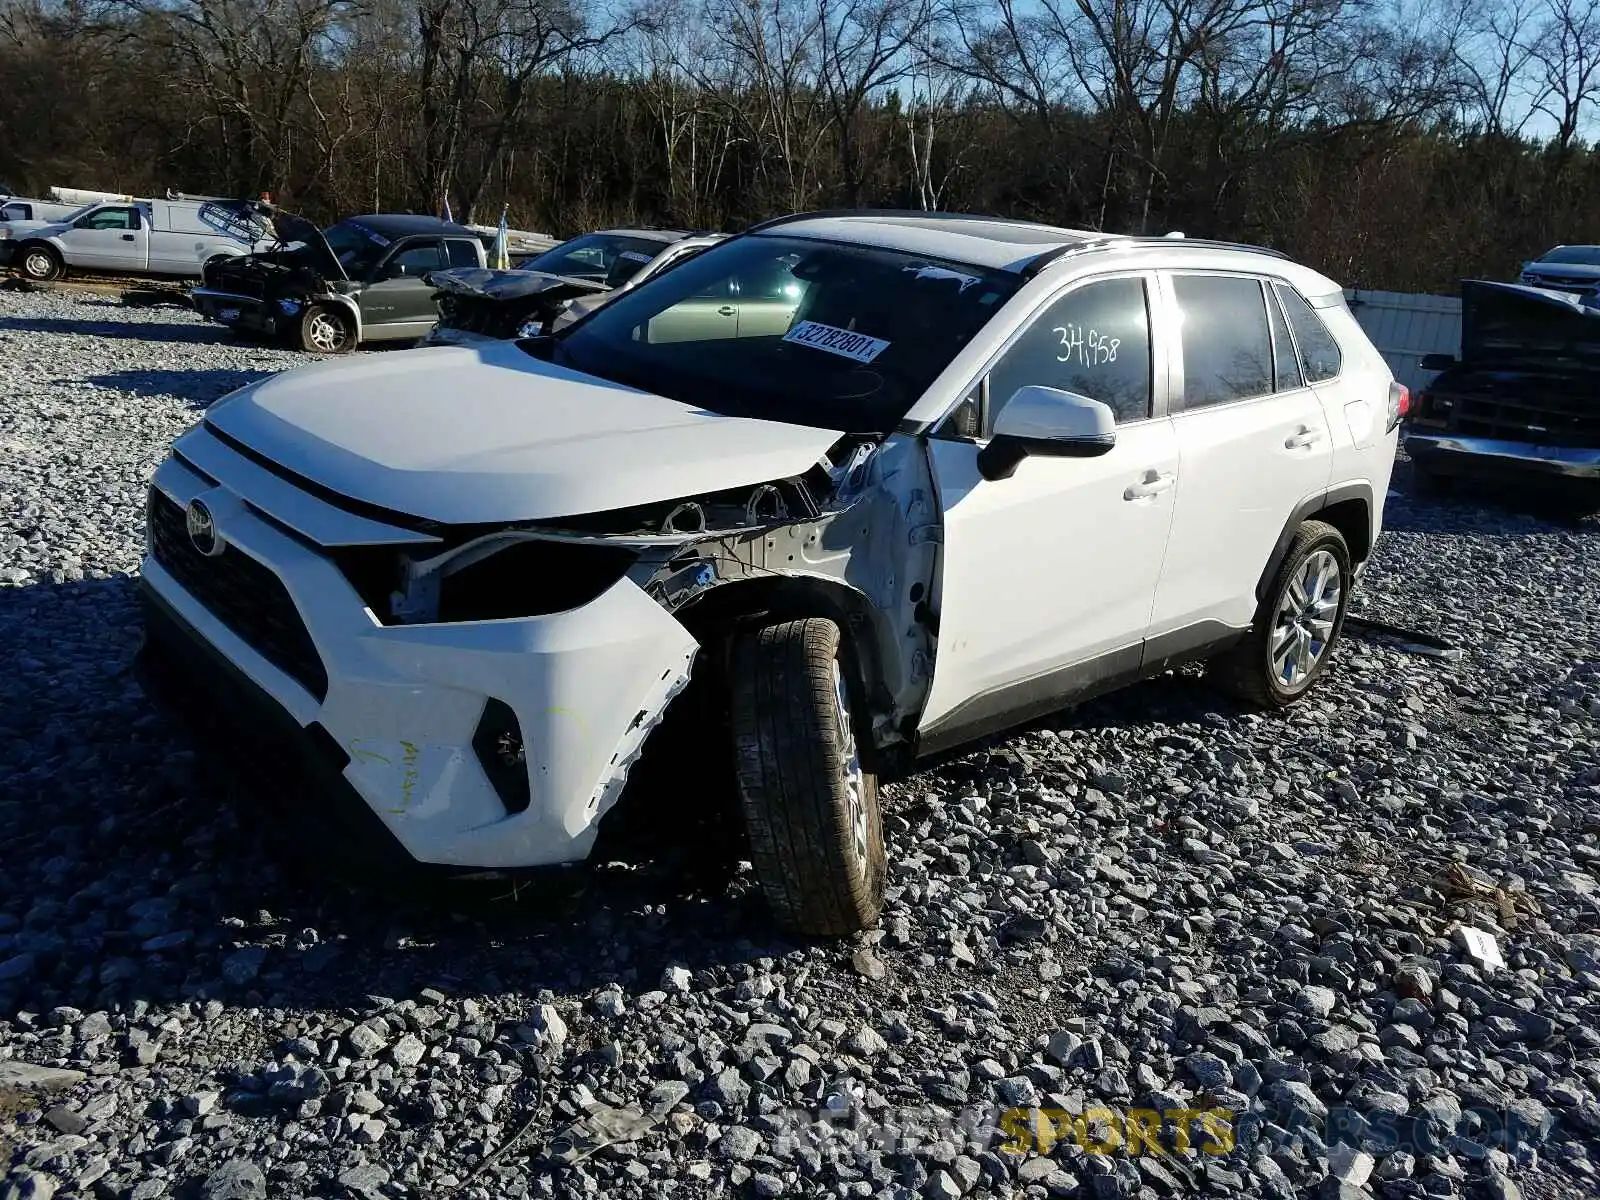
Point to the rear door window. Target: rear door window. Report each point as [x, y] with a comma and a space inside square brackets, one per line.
[1227, 342]
[462, 253]
[1285, 363]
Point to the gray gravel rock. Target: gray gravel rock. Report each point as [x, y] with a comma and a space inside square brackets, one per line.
[1158, 900]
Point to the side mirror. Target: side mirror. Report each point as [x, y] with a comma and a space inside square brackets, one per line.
[1438, 362]
[1048, 422]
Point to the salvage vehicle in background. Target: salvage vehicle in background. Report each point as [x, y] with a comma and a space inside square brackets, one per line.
[141, 237]
[364, 279]
[476, 306]
[1520, 406]
[951, 474]
[1565, 269]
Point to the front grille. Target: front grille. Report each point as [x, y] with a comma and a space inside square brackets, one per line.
[1568, 283]
[1547, 419]
[241, 593]
[233, 278]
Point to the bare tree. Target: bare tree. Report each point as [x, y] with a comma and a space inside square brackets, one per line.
[1567, 51]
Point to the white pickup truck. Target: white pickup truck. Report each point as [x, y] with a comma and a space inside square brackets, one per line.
[149, 237]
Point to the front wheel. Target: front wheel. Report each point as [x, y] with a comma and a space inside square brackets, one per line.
[811, 809]
[1297, 624]
[325, 330]
[40, 263]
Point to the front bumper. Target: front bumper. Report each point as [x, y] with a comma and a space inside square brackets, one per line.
[243, 312]
[393, 735]
[8, 251]
[1498, 459]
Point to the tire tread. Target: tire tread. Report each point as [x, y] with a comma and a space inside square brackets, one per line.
[791, 791]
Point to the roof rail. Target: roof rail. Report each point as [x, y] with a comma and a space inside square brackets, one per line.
[822, 213]
[1209, 244]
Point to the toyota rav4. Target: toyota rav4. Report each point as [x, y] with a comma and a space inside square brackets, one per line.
[931, 477]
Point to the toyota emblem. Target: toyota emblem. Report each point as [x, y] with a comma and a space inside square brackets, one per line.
[202, 529]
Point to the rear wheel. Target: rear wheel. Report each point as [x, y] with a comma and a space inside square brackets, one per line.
[1298, 622]
[810, 808]
[325, 330]
[40, 262]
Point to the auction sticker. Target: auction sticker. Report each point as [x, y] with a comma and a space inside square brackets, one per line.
[843, 342]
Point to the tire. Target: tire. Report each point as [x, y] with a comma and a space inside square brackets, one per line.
[1257, 671]
[326, 330]
[810, 809]
[39, 262]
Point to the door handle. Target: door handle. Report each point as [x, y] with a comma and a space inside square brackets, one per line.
[727, 310]
[1152, 483]
[127, 237]
[1306, 437]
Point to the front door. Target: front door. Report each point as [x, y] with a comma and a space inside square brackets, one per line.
[399, 301]
[1253, 442]
[1047, 577]
[109, 239]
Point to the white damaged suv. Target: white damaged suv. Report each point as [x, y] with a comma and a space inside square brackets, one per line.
[881, 483]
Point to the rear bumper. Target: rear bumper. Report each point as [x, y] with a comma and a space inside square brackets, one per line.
[1496, 459]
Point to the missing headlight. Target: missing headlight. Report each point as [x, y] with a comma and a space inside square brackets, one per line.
[531, 578]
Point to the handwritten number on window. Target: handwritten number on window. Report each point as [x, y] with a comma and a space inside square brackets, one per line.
[1086, 346]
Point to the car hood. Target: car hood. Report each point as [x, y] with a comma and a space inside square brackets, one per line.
[472, 435]
[491, 284]
[289, 229]
[1529, 327]
[1572, 270]
[22, 229]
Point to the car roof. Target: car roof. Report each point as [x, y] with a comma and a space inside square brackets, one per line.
[404, 224]
[1023, 247]
[652, 235]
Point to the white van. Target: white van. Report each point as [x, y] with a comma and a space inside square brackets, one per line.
[154, 237]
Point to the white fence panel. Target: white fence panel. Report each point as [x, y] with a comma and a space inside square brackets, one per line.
[1405, 326]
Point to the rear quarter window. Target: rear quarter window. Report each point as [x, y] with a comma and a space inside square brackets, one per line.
[1319, 350]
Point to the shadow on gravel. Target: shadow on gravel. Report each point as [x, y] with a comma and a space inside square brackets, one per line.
[131, 875]
[201, 387]
[138, 331]
[1480, 509]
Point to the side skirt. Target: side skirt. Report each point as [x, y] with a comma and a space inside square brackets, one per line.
[1017, 703]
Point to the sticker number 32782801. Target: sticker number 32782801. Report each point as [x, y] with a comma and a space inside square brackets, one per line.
[843, 342]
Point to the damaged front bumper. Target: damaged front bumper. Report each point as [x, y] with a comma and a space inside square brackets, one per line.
[491, 745]
[1508, 461]
[245, 312]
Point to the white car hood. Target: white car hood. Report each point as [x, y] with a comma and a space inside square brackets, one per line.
[490, 434]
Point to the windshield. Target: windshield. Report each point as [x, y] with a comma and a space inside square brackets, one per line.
[826, 334]
[609, 258]
[1583, 256]
[357, 248]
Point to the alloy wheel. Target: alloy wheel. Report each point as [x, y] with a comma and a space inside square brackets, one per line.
[850, 768]
[1303, 626]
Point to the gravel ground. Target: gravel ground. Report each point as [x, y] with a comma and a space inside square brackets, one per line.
[1157, 901]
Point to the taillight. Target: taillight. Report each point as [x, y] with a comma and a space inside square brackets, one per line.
[1399, 404]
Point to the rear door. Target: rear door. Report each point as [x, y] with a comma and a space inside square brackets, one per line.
[399, 302]
[1253, 441]
[112, 238]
